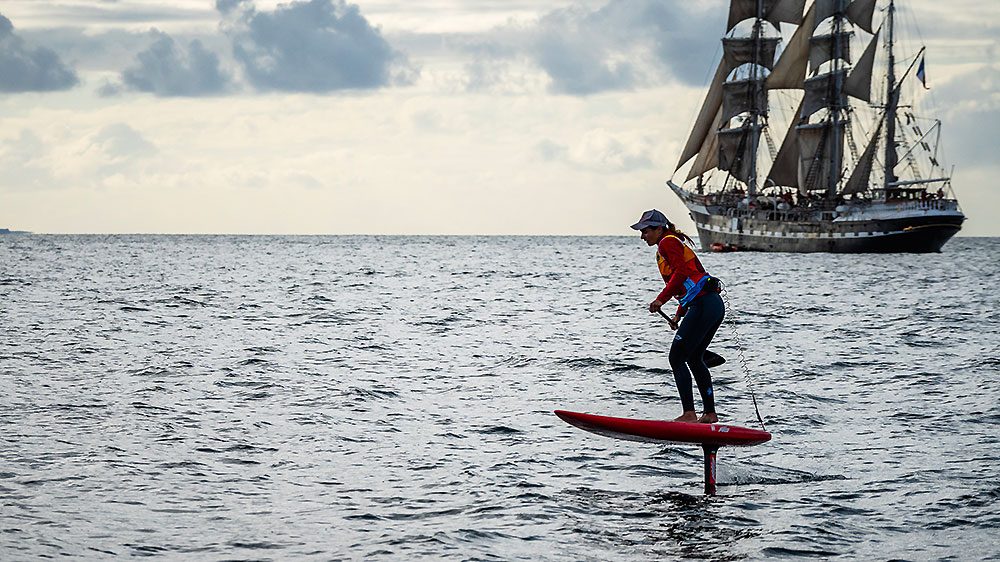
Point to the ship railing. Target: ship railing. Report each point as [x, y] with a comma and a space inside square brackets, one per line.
[825, 212]
[925, 205]
[790, 215]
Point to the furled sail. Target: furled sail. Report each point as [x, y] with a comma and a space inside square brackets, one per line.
[775, 11]
[820, 91]
[823, 49]
[708, 156]
[859, 81]
[815, 150]
[709, 107]
[740, 96]
[858, 182]
[735, 151]
[739, 50]
[790, 70]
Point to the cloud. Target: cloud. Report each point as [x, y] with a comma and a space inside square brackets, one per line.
[621, 45]
[311, 46]
[597, 150]
[972, 115]
[26, 69]
[118, 143]
[567, 51]
[167, 69]
[96, 157]
[23, 159]
[57, 160]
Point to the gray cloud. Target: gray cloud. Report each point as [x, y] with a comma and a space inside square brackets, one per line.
[621, 45]
[27, 69]
[972, 116]
[578, 58]
[311, 46]
[167, 69]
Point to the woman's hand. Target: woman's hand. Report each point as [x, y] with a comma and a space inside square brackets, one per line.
[655, 306]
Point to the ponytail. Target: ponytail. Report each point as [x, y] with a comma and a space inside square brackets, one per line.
[672, 229]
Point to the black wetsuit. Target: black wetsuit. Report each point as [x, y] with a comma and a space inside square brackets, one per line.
[703, 318]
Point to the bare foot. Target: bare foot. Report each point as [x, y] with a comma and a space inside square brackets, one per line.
[688, 416]
[709, 417]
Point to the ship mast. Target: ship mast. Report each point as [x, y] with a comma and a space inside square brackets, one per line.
[836, 103]
[755, 111]
[891, 103]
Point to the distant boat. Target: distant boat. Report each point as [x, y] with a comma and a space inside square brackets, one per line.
[9, 231]
[816, 192]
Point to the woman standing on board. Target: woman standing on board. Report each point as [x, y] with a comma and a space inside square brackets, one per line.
[700, 306]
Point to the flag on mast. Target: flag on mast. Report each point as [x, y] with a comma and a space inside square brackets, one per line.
[921, 75]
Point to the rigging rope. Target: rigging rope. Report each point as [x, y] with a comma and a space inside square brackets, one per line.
[742, 356]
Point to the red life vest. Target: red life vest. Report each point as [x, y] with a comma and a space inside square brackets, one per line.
[682, 272]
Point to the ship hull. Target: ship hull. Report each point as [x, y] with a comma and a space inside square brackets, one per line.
[920, 226]
[908, 239]
[901, 235]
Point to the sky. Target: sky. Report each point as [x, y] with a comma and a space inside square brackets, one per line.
[387, 117]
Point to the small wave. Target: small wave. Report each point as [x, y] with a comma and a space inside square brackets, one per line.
[581, 362]
[632, 368]
[229, 460]
[256, 545]
[364, 517]
[499, 430]
[782, 553]
[180, 464]
[517, 361]
[772, 475]
[638, 394]
[253, 361]
[186, 300]
[370, 393]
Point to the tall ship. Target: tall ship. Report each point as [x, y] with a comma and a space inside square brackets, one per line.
[797, 148]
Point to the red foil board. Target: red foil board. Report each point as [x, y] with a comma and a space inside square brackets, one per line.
[659, 431]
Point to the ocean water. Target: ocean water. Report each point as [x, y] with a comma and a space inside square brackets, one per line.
[390, 398]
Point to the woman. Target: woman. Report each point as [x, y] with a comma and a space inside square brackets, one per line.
[700, 306]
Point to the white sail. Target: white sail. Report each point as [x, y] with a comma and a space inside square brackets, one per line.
[816, 145]
[859, 82]
[775, 11]
[858, 182]
[860, 12]
[785, 169]
[822, 48]
[708, 156]
[819, 92]
[740, 96]
[740, 50]
[703, 124]
[790, 70]
[735, 151]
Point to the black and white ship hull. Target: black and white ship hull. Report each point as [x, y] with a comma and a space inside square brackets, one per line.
[863, 227]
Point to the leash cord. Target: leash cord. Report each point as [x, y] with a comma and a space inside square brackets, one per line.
[743, 360]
